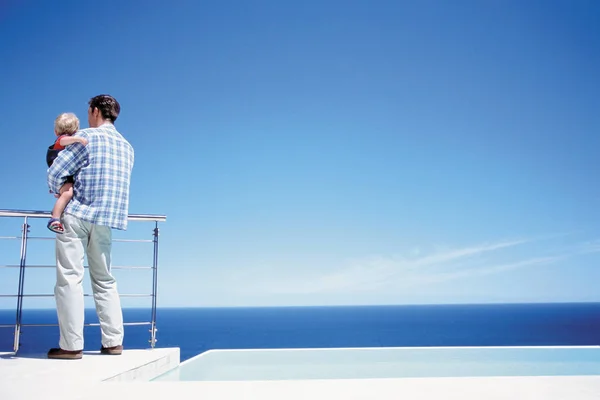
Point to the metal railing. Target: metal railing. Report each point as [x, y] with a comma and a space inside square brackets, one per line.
[24, 238]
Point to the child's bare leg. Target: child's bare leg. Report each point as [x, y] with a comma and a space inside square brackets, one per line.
[66, 194]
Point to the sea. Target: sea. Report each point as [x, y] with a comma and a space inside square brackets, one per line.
[195, 330]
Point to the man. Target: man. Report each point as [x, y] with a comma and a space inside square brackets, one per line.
[102, 172]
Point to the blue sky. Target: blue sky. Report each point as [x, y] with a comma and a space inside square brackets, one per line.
[324, 152]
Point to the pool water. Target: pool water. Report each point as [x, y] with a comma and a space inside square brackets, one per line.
[362, 363]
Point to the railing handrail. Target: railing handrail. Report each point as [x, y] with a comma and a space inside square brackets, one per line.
[25, 237]
[47, 214]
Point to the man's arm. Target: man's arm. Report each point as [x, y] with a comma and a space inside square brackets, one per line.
[67, 140]
[67, 163]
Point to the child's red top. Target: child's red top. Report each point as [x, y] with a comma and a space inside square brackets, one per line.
[57, 145]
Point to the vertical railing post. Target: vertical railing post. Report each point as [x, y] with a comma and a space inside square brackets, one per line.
[24, 232]
[154, 284]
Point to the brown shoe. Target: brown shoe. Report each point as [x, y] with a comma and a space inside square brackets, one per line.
[113, 351]
[60, 354]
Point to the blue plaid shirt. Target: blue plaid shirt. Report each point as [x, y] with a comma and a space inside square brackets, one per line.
[102, 172]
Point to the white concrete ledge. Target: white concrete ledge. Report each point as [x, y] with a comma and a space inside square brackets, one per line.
[156, 363]
[36, 376]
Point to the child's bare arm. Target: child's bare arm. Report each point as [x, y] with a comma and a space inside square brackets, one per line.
[67, 140]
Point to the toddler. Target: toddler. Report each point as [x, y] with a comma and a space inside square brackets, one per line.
[65, 125]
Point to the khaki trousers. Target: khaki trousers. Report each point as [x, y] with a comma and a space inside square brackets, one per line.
[83, 238]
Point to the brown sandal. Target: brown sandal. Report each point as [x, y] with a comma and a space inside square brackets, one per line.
[60, 354]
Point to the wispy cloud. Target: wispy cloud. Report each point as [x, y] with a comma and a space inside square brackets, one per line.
[492, 269]
[374, 272]
[459, 254]
[380, 272]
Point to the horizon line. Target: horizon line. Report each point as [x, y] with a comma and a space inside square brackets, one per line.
[337, 305]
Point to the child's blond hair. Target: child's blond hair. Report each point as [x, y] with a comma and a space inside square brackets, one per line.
[66, 124]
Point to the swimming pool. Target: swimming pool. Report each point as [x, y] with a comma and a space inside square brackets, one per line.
[398, 362]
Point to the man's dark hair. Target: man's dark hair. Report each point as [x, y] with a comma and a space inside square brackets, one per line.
[109, 106]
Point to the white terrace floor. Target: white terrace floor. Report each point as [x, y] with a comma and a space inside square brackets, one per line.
[37, 377]
[128, 376]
